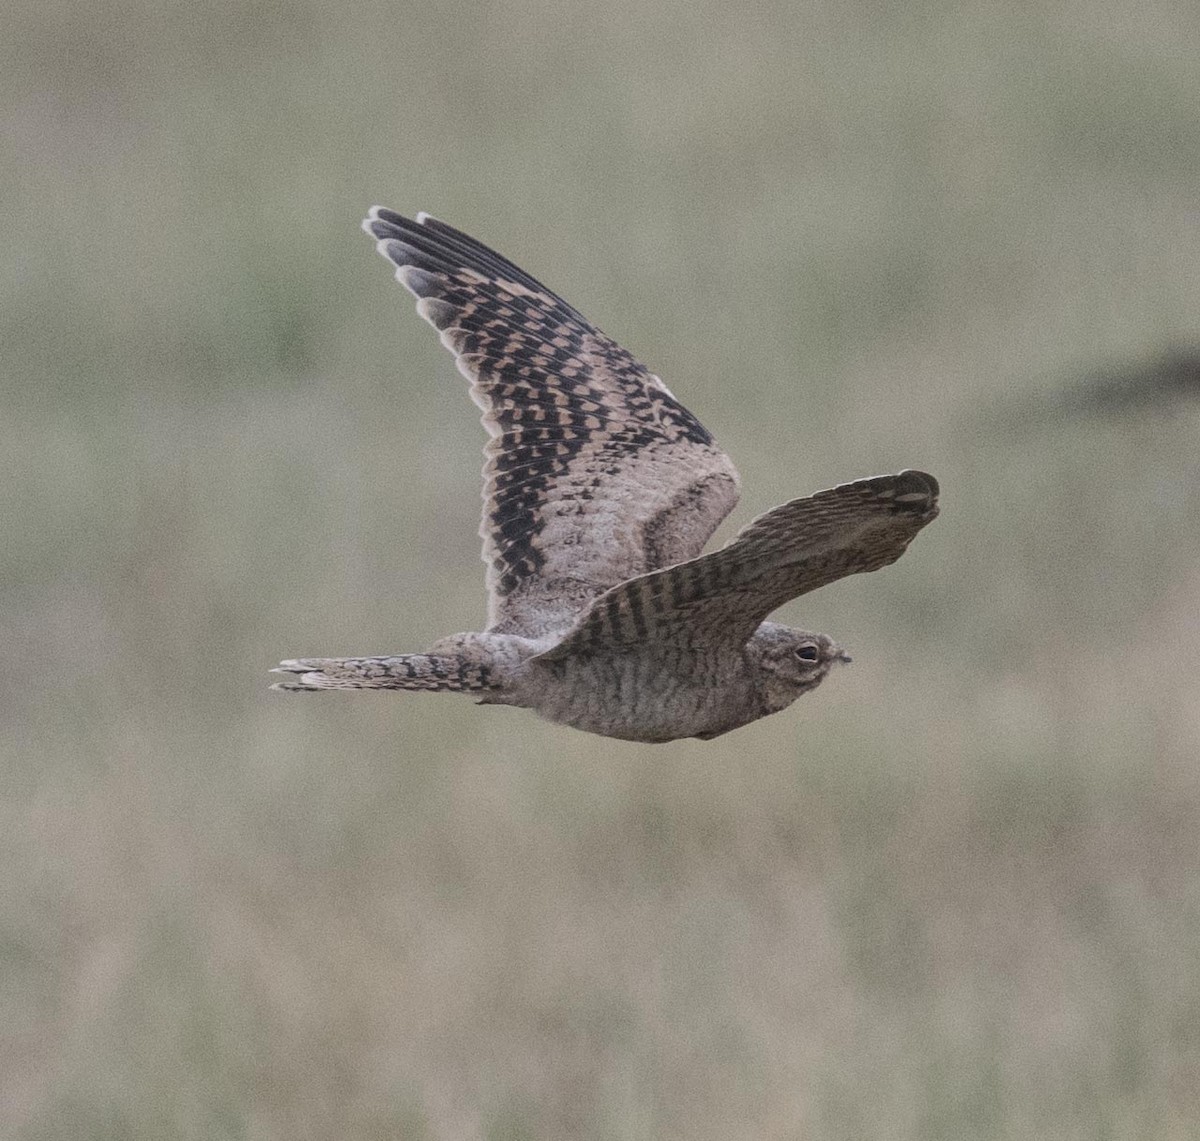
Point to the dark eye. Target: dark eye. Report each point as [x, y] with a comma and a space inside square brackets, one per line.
[808, 652]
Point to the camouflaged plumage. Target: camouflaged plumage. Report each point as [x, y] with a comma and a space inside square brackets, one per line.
[584, 438]
[600, 492]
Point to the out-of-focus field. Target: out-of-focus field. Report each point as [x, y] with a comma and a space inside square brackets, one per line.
[954, 894]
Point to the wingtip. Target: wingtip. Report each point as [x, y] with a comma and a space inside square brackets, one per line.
[303, 680]
[379, 213]
[375, 228]
[917, 473]
[917, 483]
[419, 282]
[381, 218]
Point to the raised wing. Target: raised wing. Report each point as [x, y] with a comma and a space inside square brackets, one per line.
[595, 472]
[719, 600]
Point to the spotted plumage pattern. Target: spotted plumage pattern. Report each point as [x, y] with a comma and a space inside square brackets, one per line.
[600, 492]
[590, 455]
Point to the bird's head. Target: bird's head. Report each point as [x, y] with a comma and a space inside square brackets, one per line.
[790, 662]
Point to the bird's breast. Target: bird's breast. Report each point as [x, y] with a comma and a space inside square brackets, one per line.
[639, 697]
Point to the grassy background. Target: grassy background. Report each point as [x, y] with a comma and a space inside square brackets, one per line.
[955, 894]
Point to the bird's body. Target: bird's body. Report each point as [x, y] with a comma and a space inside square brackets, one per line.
[635, 697]
[633, 694]
[600, 493]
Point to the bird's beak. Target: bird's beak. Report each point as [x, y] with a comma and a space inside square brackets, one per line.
[842, 656]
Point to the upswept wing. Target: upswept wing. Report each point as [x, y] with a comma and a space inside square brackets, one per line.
[595, 473]
[720, 599]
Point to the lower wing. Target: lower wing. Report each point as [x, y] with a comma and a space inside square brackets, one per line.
[720, 599]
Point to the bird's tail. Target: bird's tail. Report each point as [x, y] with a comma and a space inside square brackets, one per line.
[400, 671]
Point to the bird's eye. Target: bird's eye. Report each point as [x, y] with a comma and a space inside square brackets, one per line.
[808, 652]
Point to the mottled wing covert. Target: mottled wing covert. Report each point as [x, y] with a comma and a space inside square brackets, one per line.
[720, 599]
[594, 473]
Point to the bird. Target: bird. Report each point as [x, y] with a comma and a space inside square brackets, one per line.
[600, 492]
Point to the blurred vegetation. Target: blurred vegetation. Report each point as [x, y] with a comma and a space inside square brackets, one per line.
[955, 894]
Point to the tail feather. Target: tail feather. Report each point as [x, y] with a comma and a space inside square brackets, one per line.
[400, 671]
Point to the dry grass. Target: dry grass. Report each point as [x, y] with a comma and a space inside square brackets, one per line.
[953, 895]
